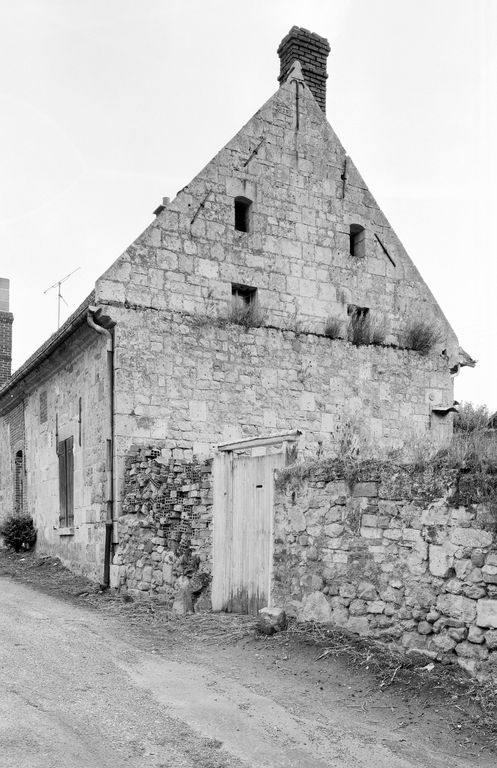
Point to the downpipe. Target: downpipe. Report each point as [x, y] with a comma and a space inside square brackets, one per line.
[109, 521]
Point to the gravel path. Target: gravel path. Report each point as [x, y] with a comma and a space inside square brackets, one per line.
[82, 690]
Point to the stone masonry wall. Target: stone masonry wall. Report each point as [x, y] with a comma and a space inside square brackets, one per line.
[194, 383]
[404, 555]
[165, 531]
[66, 396]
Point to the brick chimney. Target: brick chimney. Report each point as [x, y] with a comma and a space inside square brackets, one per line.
[6, 320]
[312, 51]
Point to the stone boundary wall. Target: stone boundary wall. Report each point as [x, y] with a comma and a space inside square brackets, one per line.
[165, 530]
[404, 555]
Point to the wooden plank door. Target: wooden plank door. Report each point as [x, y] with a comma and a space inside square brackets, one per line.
[243, 517]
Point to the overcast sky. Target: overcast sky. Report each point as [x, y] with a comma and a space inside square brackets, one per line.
[109, 105]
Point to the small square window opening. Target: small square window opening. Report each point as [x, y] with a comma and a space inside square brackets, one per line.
[243, 294]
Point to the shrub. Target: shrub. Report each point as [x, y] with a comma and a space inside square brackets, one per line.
[332, 328]
[18, 532]
[248, 315]
[470, 418]
[421, 336]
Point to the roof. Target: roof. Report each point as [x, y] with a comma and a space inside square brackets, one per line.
[66, 329]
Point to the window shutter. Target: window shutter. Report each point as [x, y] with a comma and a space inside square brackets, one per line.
[62, 484]
[70, 481]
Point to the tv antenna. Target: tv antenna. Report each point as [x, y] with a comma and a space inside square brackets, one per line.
[59, 295]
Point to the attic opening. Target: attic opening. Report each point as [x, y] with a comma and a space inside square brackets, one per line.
[357, 242]
[243, 295]
[243, 214]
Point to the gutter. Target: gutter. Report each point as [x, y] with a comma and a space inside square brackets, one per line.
[93, 316]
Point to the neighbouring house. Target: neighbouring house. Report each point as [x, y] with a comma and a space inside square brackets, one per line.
[264, 308]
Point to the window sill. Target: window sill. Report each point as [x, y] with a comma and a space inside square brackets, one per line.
[66, 531]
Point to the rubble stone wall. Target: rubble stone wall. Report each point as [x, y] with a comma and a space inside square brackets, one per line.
[165, 531]
[404, 555]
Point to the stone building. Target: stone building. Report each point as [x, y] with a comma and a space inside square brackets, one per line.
[270, 297]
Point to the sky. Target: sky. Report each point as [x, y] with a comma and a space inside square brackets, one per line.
[109, 105]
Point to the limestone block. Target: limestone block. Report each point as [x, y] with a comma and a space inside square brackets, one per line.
[490, 638]
[377, 606]
[489, 574]
[271, 620]
[315, 607]
[440, 561]
[486, 614]
[457, 607]
[444, 642]
[337, 491]
[167, 572]
[463, 568]
[454, 586]
[476, 635]
[198, 410]
[371, 533]
[295, 520]
[392, 534]
[340, 616]
[457, 633]
[425, 628]
[366, 591]
[334, 530]
[390, 595]
[307, 401]
[365, 489]
[471, 651]
[358, 608]
[491, 559]
[478, 559]
[347, 591]
[183, 603]
[471, 537]
[358, 624]
[370, 521]
[147, 574]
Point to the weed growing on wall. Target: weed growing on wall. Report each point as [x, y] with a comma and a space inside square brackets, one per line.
[421, 336]
[247, 315]
[333, 328]
[365, 329]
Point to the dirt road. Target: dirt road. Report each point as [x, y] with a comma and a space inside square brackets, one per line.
[82, 689]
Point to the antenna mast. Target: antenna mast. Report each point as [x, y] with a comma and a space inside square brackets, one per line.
[59, 295]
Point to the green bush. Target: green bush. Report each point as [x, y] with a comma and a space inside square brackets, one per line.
[18, 532]
[471, 418]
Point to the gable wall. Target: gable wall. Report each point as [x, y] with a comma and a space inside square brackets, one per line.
[76, 370]
[297, 253]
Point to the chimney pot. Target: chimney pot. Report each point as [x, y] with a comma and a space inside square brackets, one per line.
[312, 51]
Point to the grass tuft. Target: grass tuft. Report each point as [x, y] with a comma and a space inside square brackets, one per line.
[246, 315]
[333, 328]
[421, 336]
